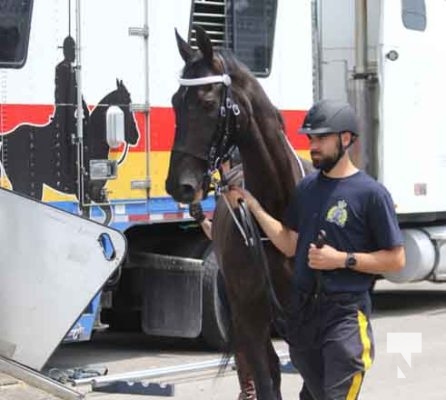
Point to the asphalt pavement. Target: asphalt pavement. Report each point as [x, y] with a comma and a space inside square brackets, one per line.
[409, 323]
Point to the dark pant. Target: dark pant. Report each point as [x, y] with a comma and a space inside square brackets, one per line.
[331, 343]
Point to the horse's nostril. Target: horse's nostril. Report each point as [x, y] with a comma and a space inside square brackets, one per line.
[187, 193]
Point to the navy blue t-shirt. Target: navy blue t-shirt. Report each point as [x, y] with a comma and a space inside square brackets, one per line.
[358, 215]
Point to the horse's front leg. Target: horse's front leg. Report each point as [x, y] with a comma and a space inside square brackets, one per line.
[245, 377]
[253, 337]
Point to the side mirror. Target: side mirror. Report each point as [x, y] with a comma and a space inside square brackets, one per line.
[115, 127]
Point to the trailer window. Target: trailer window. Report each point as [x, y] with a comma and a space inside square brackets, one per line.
[414, 14]
[244, 26]
[251, 32]
[15, 21]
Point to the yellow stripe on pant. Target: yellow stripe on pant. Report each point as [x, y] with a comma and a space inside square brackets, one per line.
[366, 358]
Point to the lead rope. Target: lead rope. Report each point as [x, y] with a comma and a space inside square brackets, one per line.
[258, 252]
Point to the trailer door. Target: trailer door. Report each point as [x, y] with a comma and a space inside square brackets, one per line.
[412, 140]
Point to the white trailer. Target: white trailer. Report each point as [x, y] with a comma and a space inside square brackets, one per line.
[387, 58]
[69, 66]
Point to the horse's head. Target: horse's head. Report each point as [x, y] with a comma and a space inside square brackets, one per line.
[121, 98]
[205, 118]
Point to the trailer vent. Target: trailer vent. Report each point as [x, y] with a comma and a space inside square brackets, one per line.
[211, 16]
[245, 27]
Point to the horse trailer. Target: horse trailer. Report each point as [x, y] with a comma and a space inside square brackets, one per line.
[87, 125]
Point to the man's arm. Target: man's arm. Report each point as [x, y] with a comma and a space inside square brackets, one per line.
[282, 237]
[376, 262]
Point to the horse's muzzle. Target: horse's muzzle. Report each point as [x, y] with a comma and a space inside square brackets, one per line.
[186, 193]
[183, 193]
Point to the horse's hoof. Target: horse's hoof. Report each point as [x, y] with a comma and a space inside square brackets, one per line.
[248, 391]
[247, 396]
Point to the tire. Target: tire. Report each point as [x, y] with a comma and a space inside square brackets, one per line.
[215, 323]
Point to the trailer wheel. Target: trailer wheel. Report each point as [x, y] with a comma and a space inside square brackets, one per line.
[215, 308]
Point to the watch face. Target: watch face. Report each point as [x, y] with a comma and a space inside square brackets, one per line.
[351, 260]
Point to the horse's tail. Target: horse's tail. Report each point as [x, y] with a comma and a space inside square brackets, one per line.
[227, 346]
[227, 352]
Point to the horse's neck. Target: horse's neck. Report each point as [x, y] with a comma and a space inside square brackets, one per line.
[95, 135]
[97, 118]
[271, 170]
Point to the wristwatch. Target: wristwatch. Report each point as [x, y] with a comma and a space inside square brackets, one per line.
[350, 261]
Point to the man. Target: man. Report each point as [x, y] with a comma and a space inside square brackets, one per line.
[342, 229]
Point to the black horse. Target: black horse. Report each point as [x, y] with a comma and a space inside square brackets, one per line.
[227, 107]
[38, 155]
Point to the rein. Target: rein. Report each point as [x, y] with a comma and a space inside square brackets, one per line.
[257, 251]
[253, 241]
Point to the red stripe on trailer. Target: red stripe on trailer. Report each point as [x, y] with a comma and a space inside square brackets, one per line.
[162, 124]
[17, 114]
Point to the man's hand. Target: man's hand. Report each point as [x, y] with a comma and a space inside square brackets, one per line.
[236, 193]
[325, 258]
[196, 212]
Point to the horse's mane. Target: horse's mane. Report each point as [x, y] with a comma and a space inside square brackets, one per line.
[267, 122]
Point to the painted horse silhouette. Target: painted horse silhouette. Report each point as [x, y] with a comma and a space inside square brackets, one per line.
[38, 155]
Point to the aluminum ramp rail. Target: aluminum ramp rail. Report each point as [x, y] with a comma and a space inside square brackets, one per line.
[18, 381]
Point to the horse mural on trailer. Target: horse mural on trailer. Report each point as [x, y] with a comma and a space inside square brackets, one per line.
[95, 141]
[218, 105]
[37, 155]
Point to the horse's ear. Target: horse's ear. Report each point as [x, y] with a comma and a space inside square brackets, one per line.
[204, 44]
[184, 48]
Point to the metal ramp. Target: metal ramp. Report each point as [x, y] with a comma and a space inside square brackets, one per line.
[53, 263]
[19, 382]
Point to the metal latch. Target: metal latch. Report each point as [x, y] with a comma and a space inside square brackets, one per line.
[139, 31]
[139, 107]
[103, 169]
[140, 184]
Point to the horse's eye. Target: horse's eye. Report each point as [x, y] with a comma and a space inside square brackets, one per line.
[209, 105]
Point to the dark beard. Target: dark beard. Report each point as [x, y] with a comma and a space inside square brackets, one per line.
[326, 164]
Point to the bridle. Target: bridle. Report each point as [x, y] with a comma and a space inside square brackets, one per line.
[222, 144]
